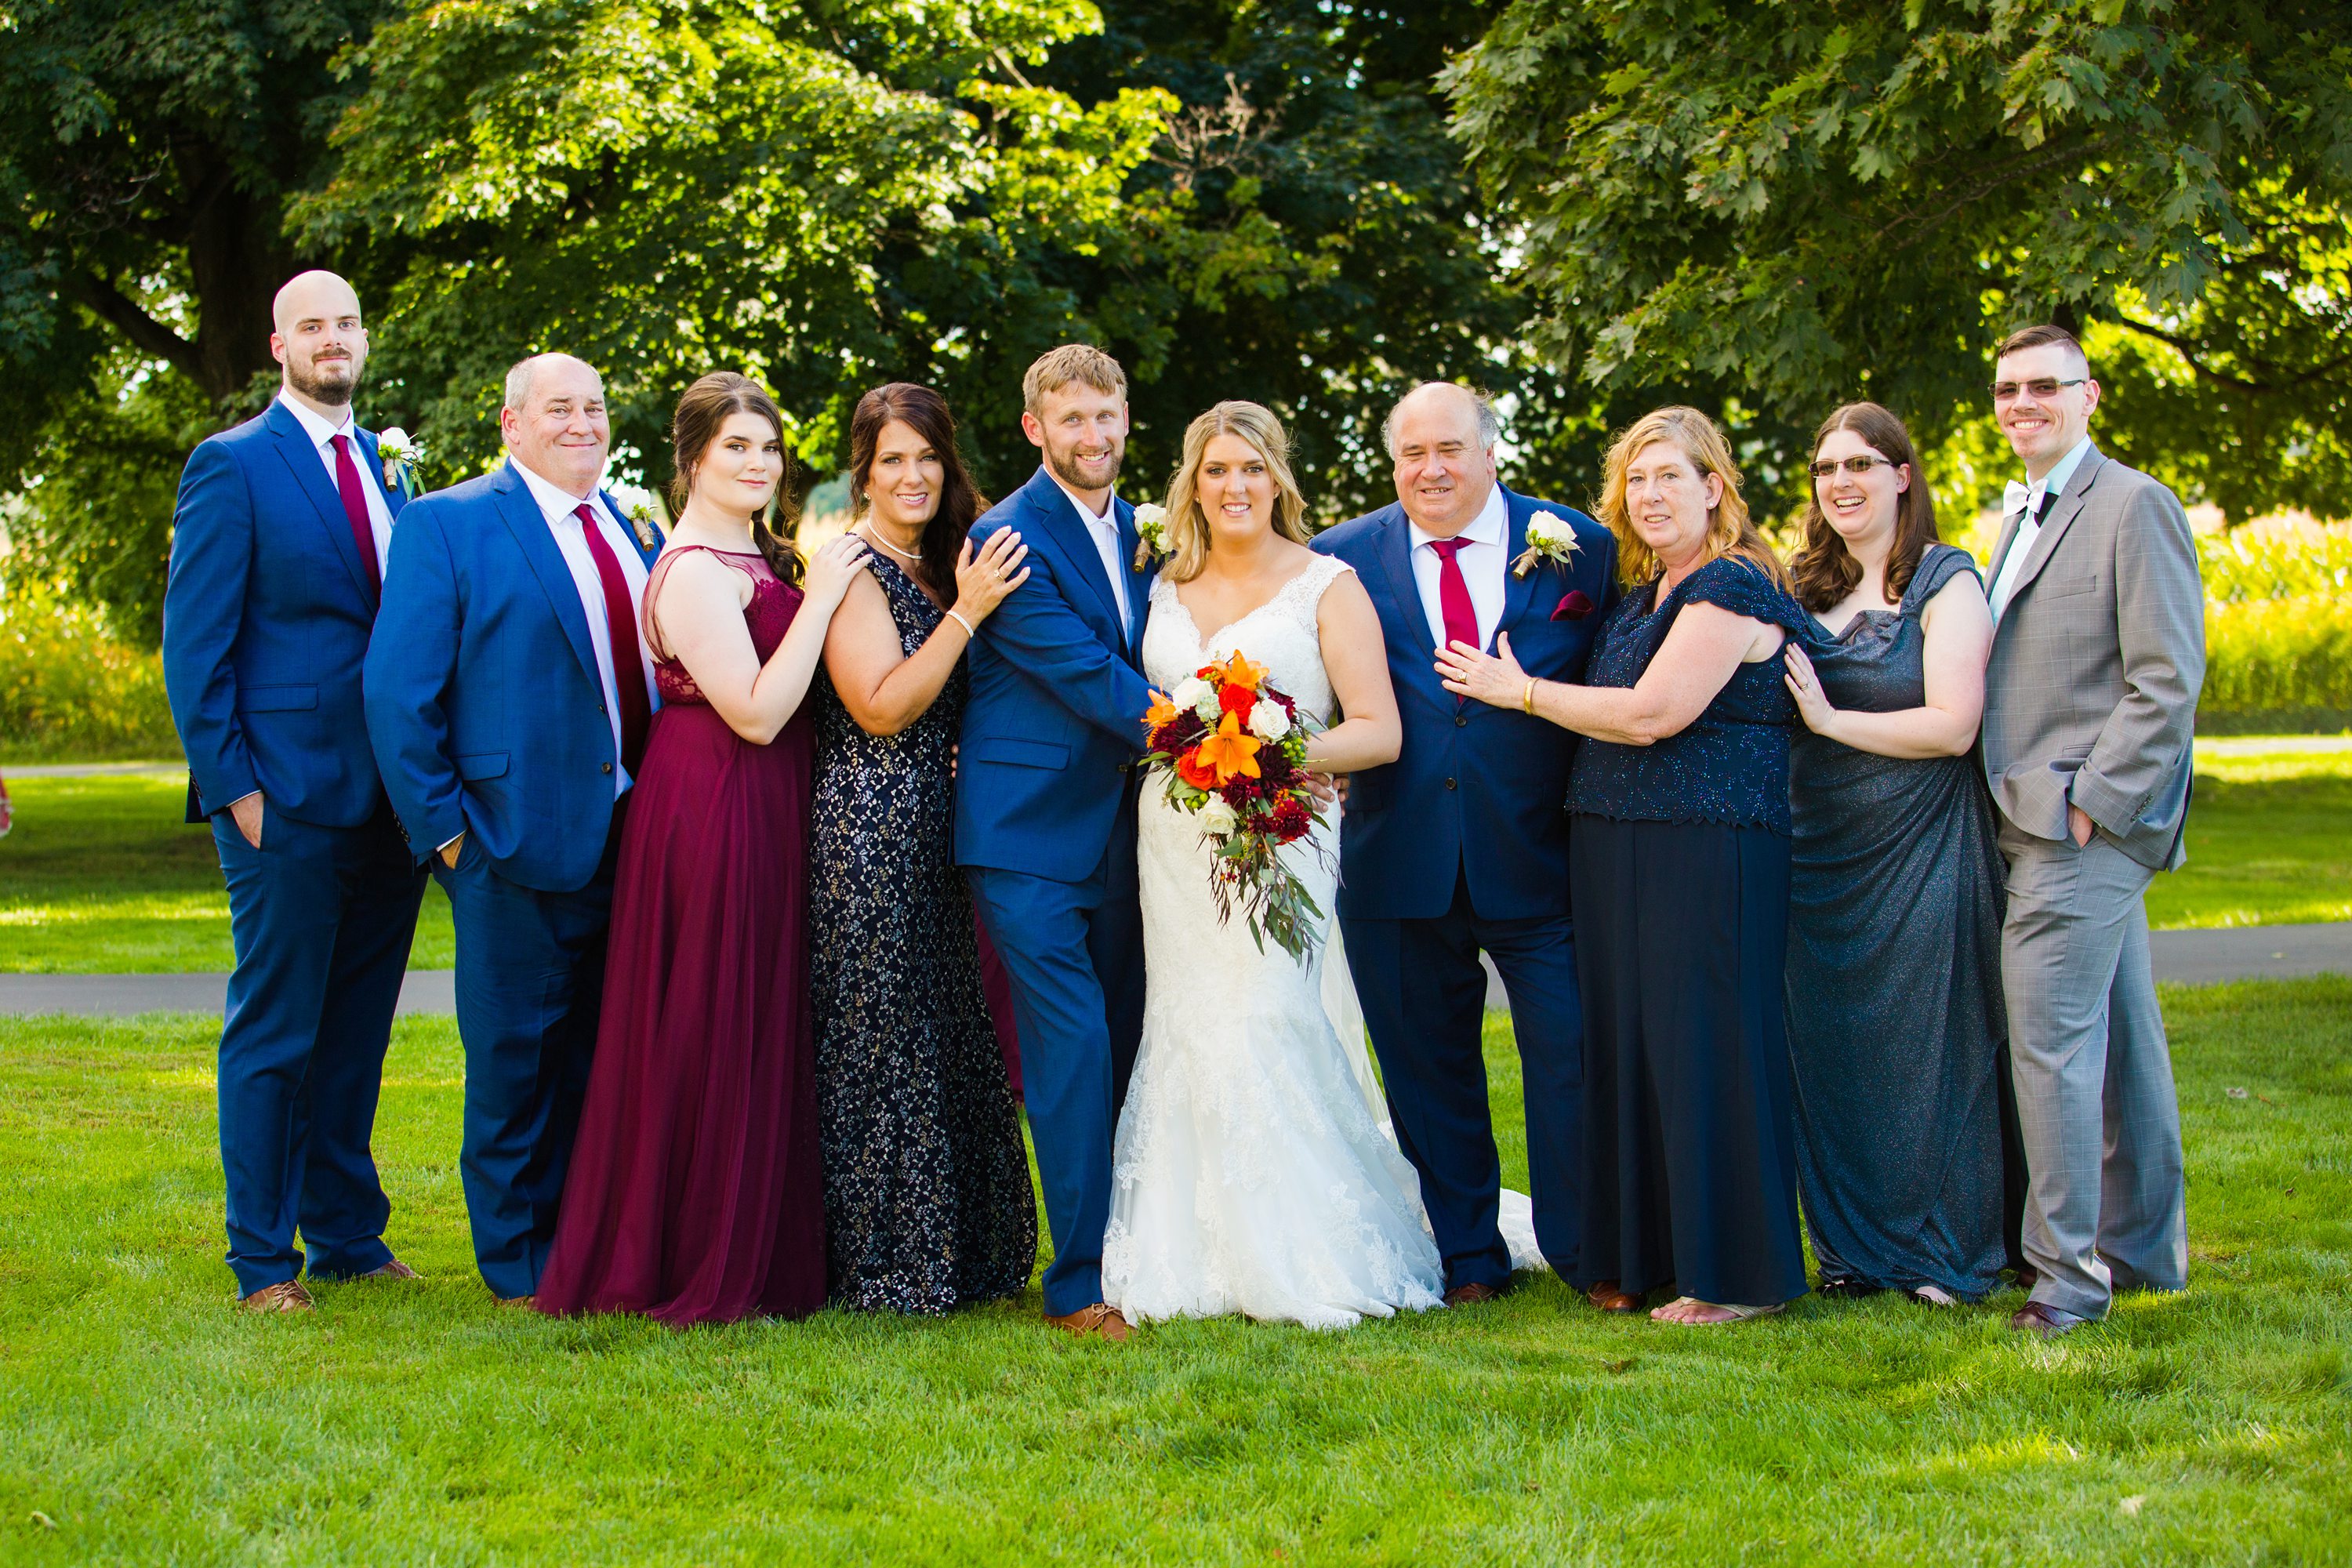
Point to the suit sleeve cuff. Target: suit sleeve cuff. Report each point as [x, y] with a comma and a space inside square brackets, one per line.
[2102, 805]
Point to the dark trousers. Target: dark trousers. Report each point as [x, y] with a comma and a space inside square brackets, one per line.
[531, 984]
[1424, 998]
[1075, 950]
[320, 919]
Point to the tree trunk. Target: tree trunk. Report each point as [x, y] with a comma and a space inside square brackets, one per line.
[237, 262]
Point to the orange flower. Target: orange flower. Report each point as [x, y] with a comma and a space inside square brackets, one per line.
[1190, 768]
[1227, 751]
[1243, 673]
[1160, 712]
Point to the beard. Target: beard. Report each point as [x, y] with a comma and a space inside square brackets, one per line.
[1064, 465]
[332, 383]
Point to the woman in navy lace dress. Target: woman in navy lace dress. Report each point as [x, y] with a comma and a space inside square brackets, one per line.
[1678, 866]
[928, 1202]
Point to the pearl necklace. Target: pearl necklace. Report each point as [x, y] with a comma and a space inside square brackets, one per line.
[873, 536]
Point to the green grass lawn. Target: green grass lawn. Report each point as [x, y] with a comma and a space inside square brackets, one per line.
[100, 875]
[142, 1420]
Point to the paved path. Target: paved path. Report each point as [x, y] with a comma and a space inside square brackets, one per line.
[2189, 957]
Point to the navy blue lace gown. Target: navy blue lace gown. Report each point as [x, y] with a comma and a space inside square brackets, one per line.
[1679, 873]
[926, 1196]
[1894, 1013]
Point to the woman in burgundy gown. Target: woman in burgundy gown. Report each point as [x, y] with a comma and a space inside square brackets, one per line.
[695, 1194]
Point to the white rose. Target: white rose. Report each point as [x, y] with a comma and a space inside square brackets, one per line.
[395, 440]
[1150, 516]
[1268, 720]
[1550, 528]
[1196, 694]
[1218, 819]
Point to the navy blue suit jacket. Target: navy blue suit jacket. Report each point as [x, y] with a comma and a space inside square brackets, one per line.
[265, 622]
[483, 699]
[1477, 789]
[1055, 717]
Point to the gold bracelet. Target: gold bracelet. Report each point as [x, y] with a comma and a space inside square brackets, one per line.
[1528, 699]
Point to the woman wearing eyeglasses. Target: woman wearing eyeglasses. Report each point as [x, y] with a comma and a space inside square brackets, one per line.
[1894, 1016]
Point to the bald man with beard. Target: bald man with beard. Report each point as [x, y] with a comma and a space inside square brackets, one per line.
[278, 545]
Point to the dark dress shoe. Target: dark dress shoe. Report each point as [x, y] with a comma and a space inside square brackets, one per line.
[1471, 1295]
[2027, 1279]
[2036, 1318]
[1099, 1322]
[286, 1295]
[1608, 1296]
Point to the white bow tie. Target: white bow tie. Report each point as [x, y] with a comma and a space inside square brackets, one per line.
[2015, 498]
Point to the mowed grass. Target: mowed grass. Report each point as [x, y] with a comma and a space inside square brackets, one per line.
[142, 1421]
[101, 876]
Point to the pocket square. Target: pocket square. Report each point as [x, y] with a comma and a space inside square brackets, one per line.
[1573, 605]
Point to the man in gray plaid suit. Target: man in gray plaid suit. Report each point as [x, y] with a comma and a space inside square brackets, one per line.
[2098, 652]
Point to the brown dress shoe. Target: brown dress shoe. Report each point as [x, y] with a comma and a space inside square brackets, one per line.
[286, 1295]
[1099, 1322]
[1471, 1295]
[521, 1303]
[1608, 1296]
[2035, 1318]
[395, 1270]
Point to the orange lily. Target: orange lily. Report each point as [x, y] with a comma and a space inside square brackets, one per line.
[1243, 673]
[1160, 710]
[1227, 751]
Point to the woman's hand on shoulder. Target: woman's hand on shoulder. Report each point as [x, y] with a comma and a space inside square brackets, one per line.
[986, 575]
[832, 569]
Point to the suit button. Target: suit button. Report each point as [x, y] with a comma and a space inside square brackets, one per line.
[1462, 721]
[599, 710]
[1449, 784]
[608, 768]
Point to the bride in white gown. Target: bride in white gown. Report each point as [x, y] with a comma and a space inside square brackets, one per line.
[1252, 1170]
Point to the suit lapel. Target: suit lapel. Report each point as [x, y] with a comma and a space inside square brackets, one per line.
[1515, 588]
[1051, 506]
[1139, 578]
[522, 516]
[310, 474]
[2062, 512]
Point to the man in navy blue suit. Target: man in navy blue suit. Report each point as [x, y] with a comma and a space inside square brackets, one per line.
[1461, 844]
[508, 700]
[1045, 801]
[277, 552]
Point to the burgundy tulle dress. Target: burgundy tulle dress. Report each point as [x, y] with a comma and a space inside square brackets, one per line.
[695, 1194]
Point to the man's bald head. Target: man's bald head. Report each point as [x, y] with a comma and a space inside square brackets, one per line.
[1442, 436]
[555, 421]
[319, 338]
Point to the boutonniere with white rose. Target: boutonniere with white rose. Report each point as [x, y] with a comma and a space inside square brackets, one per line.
[1152, 530]
[644, 519]
[1551, 537]
[401, 453]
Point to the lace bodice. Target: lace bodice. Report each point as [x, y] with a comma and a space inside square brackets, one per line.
[1280, 634]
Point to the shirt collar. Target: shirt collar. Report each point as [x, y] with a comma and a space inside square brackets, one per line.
[553, 502]
[1489, 527]
[2053, 483]
[1108, 518]
[313, 425]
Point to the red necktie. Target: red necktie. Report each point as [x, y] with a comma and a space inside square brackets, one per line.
[355, 509]
[621, 623]
[1454, 594]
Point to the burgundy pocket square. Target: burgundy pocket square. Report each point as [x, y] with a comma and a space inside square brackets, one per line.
[1573, 605]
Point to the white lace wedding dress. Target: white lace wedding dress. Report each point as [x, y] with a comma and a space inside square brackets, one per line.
[1253, 1172]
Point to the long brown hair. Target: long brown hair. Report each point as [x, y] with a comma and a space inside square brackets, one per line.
[926, 413]
[1188, 526]
[694, 426]
[1825, 570]
[1729, 531]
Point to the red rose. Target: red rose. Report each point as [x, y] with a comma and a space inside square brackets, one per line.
[1190, 768]
[1236, 700]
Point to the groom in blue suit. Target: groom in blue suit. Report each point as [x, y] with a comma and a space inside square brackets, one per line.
[1045, 801]
[278, 551]
[1461, 844]
[508, 699]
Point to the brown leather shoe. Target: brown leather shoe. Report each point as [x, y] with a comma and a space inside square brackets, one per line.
[1099, 1322]
[1608, 1296]
[2035, 1318]
[395, 1270]
[521, 1303]
[286, 1295]
[1471, 1295]
[2028, 1277]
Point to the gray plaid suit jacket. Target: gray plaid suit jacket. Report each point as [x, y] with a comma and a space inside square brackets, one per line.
[2091, 693]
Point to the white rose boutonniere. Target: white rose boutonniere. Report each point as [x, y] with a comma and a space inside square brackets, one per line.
[1152, 524]
[644, 520]
[1217, 819]
[1550, 538]
[1269, 721]
[401, 453]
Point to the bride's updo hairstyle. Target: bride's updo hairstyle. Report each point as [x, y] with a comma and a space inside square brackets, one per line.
[695, 426]
[1188, 525]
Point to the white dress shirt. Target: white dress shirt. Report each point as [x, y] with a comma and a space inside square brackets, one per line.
[558, 509]
[2036, 508]
[1482, 561]
[321, 436]
[1104, 531]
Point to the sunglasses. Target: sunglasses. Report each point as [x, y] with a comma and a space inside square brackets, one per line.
[1857, 467]
[2039, 387]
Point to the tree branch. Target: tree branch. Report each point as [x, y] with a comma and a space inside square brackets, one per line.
[147, 334]
[2187, 349]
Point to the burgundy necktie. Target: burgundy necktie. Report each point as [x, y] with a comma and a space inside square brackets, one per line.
[1454, 594]
[355, 507]
[621, 623]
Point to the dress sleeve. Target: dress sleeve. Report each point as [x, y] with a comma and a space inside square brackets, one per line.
[1936, 568]
[1742, 588]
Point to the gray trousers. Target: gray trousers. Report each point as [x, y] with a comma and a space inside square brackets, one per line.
[2106, 1204]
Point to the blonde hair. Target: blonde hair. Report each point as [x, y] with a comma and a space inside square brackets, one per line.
[1188, 525]
[1057, 368]
[1729, 531]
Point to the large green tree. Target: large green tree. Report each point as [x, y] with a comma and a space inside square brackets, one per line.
[1804, 203]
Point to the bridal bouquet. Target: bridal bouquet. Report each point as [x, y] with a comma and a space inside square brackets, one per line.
[1232, 753]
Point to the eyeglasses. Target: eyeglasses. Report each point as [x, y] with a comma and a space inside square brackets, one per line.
[2039, 387]
[1855, 465]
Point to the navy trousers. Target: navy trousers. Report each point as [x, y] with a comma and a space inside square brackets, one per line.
[1075, 952]
[320, 919]
[1424, 999]
[530, 983]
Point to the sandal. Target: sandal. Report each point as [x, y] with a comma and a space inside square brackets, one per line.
[1738, 1314]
